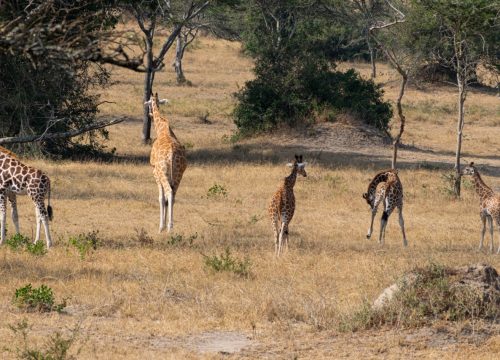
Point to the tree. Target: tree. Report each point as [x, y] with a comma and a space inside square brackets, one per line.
[467, 33]
[46, 52]
[291, 41]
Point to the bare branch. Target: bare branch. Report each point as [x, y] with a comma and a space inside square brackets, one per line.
[60, 135]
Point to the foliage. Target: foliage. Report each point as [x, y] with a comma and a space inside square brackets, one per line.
[56, 348]
[39, 299]
[295, 73]
[225, 262]
[431, 296]
[143, 237]
[179, 240]
[18, 242]
[217, 191]
[84, 243]
[48, 84]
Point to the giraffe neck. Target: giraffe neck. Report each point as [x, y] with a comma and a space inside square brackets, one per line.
[290, 179]
[482, 189]
[160, 123]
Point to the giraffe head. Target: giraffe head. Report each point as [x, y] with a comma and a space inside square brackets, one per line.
[469, 170]
[299, 164]
[369, 198]
[154, 103]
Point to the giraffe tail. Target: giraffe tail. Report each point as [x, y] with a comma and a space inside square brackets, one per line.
[50, 212]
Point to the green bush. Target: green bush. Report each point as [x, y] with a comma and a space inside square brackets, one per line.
[84, 243]
[180, 240]
[36, 299]
[225, 262]
[19, 242]
[217, 191]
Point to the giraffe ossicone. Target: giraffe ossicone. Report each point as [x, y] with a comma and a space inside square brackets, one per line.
[390, 193]
[282, 206]
[17, 178]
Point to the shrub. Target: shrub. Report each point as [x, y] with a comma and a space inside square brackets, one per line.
[18, 242]
[84, 243]
[217, 191]
[179, 240]
[225, 262]
[56, 348]
[37, 299]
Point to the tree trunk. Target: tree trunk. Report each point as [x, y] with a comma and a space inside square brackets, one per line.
[372, 58]
[179, 54]
[148, 84]
[460, 127]
[402, 119]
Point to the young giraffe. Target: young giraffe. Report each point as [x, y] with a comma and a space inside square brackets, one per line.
[489, 203]
[168, 159]
[17, 178]
[282, 205]
[391, 194]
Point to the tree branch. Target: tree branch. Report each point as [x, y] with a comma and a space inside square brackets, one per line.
[61, 135]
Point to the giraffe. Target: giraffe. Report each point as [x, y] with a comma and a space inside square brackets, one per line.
[282, 205]
[391, 194]
[489, 208]
[17, 178]
[168, 158]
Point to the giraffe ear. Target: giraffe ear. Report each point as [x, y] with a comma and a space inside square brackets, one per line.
[296, 157]
[472, 163]
[163, 101]
[289, 165]
[365, 195]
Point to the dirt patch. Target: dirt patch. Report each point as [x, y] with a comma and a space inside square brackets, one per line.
[227, 342]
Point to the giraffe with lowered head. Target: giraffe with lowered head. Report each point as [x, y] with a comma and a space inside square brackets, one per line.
[489, 203]
[168, 158]
[390, 193]
[17, 178]
[282, 206]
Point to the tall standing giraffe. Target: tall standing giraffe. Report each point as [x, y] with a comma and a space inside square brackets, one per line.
[391, 194]
[489, 203]
[282, 206]
[168, 159]
[17, 178]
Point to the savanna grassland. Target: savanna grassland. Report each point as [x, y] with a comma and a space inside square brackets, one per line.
[143, 295]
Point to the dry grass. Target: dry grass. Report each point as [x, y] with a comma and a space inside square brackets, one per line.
[135, 299]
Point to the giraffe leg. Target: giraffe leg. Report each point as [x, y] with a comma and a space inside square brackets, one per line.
[402, 225]
[280, 242]
[170, 200]
[370, 230]
[483, 231]
[15, 216]
[286, 238]
[44, 219]
[383, 224]
[490, 221]
[161, 199]
[276, 234]
[3, 217]
[38, 223]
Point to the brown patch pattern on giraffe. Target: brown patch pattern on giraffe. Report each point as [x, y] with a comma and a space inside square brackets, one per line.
[17, 178]
[282, 206]
[168, 158]
[489, 203]
[385, 188]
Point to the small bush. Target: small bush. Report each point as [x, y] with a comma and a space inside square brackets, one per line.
[217, 191]
[84, 243]
[225, 262]
[179, 240]
[143, 238]
[39, 299]
[56, 348]
[19, 242]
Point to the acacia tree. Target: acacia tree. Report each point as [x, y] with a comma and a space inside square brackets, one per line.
[467, 33]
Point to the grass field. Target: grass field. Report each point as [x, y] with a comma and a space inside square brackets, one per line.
[145, 295]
